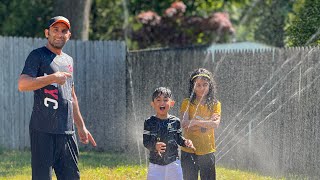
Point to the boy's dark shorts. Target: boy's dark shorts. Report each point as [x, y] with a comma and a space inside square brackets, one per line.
[54, 151]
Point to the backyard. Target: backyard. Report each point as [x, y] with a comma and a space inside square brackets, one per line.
[15, 165]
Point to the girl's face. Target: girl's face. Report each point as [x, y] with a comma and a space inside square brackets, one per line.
[201, 87]
[162, 105]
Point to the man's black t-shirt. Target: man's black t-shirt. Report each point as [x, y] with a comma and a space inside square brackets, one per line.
[52, 109]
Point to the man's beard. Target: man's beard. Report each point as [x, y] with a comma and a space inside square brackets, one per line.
[57, 46]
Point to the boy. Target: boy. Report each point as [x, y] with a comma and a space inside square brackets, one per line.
[161, 136]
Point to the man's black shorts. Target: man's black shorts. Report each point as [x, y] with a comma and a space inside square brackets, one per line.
[54, 151]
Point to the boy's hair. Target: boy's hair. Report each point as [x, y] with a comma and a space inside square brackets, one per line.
[211, 96]
[166, 92]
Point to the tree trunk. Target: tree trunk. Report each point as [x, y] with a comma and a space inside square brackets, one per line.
[78, 12]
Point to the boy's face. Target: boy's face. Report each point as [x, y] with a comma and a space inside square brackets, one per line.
[162, 105]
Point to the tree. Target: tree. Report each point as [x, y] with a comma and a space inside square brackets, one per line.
[106, 20]
[304, 29]
[273, 18]
[78, 12]
[26, 18]
[29, 17]
[254, 20]
[174, 29]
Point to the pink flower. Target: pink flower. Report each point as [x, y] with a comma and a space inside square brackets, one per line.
[149, 17]
[179, 6]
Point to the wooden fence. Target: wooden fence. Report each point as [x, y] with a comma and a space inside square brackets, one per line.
[99, 84]
[270, 103]
[270, 99]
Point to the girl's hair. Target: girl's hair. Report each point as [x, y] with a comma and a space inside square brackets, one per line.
[210, 98]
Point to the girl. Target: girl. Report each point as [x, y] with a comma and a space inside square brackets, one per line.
[200, 115]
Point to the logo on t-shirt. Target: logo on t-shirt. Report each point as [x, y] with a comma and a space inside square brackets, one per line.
[51, 101]
[70, 68]
[170, 127]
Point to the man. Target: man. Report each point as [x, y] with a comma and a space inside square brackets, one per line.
[49, 73]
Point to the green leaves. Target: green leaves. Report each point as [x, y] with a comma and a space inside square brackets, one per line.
[304, 30]
[274, 22]
[24, 17]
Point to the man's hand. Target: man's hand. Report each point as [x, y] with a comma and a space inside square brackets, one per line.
[86, 137]
[61, 77]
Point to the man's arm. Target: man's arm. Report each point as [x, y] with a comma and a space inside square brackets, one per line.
[28, 83]
[84, 134]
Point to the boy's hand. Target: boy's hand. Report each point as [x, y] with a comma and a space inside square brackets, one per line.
[189, 144]
[161, 148]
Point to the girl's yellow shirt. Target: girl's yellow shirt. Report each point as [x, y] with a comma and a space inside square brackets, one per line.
[202, 138]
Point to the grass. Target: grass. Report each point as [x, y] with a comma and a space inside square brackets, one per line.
[15, 165]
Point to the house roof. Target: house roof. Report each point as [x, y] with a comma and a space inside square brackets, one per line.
[238, 46]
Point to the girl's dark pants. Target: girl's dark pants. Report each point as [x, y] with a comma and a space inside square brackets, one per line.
[193, 164]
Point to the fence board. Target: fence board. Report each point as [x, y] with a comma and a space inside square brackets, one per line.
[2, 92]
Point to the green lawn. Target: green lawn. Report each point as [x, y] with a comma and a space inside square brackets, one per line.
[15, 165]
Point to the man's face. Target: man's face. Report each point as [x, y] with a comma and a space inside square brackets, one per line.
[162, 105]
[58, 34]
